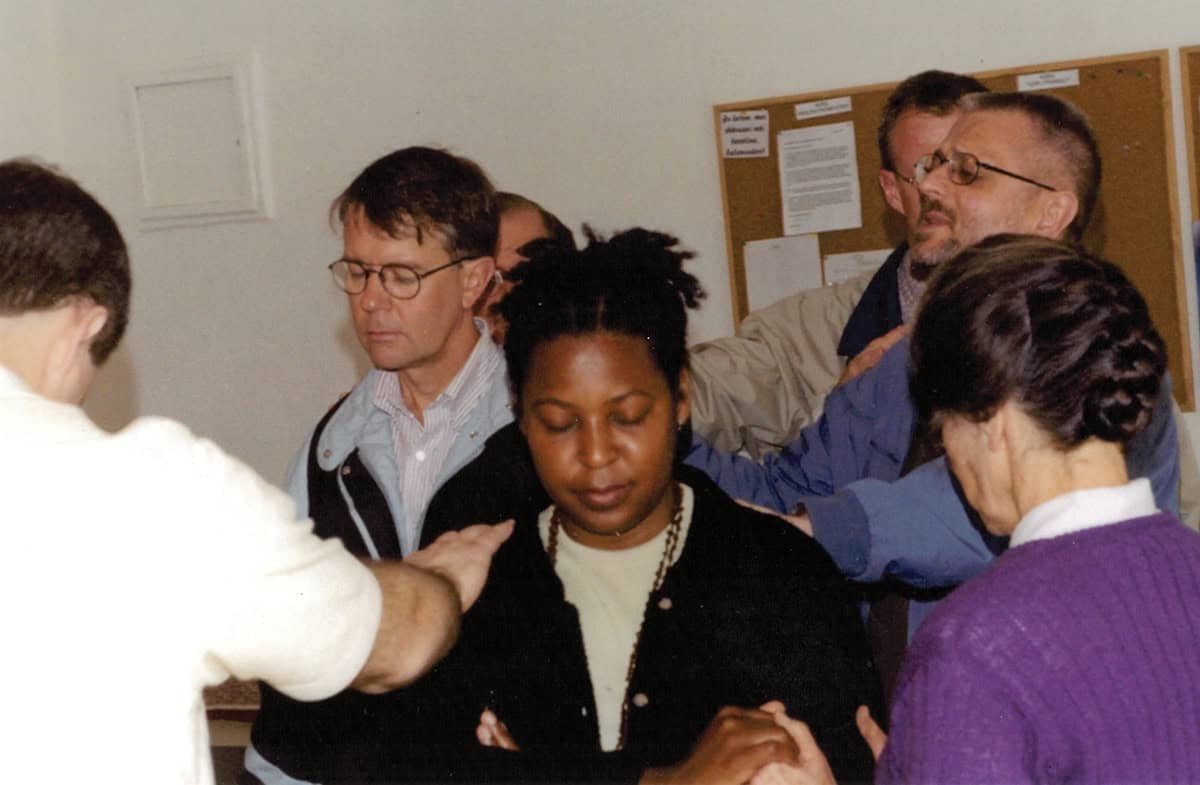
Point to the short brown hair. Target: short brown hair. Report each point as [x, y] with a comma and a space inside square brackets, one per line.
[1066, 132]
[932, 92]
[57, 242]
[420, 189]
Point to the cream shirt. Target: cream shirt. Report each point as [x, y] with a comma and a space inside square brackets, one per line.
[610, 590]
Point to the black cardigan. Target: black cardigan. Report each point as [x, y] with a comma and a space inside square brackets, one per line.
[753, 610]
[757, 611]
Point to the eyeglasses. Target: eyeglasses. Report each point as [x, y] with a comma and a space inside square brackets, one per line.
[910, 180]
[964, 169]
[398, 280]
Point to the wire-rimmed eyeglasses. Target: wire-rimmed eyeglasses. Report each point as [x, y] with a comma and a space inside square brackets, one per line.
[398, 280]
[964, 169]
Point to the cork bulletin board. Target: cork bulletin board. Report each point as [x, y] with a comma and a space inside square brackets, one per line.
[1189, 62]
[1136, 223]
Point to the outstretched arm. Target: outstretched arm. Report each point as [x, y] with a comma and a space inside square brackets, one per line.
[423, 599]
[864, 432]
[916, 529]
[757, 389]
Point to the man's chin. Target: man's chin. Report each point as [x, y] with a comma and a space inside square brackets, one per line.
[923, 271]
[924, 262]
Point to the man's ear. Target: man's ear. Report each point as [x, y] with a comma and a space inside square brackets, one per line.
[683, 398]
[82, 322]
[476, 275]
[69, 367]
[94, 317]
[889, 184]
[1058, 209]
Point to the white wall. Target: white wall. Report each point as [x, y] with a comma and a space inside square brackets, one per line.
[29, 80]
[601, 110]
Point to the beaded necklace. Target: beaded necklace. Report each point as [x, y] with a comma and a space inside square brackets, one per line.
[672, 542]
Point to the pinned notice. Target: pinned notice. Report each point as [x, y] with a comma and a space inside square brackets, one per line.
[811, 109]
[818, 179]
[845, 266]
[1047, 79]
[746, 134]
[780, 266]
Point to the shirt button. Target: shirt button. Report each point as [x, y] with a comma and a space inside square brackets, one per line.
[641, 700]
[665, 604]
[327, 453]
[345, 471]
[583, 711]
[420, 455]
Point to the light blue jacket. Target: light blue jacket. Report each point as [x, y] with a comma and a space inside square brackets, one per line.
[360, 424]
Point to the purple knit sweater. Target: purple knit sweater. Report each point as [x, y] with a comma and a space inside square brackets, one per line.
[1072, 659]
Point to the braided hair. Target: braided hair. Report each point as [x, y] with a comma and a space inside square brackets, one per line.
[632, 283]
[1063, 334]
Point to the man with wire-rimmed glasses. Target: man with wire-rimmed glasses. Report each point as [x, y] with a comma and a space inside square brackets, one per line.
[1000, 170]
[419, 230]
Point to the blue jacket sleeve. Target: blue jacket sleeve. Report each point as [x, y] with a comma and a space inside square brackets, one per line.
[863, 432]
[916, 529]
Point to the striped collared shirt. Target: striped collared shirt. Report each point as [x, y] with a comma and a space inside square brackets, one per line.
[910, 290]
[421, 448]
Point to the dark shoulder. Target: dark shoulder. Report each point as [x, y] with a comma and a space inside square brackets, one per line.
[725, 531]
[877, 311]
[500, 483]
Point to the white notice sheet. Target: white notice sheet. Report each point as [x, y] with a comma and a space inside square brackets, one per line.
[844, 266]
[746, 134]
[780, 266]
[818, 179]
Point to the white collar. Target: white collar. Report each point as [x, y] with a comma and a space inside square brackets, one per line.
[1086, 509]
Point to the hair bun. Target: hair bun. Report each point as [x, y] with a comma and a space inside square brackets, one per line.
[1126, 385]
[1031, 320]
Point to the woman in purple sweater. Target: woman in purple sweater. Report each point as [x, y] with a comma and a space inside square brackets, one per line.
[1076, 656]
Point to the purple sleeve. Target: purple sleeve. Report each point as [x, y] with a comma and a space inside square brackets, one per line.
[954, 721]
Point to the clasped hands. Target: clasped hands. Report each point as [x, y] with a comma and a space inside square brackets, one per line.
[762, 746]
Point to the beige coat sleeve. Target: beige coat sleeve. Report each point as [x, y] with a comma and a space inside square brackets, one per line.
[754, 391]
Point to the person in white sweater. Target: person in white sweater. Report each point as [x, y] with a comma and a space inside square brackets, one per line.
[141, 566]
